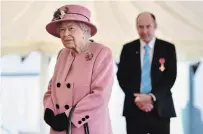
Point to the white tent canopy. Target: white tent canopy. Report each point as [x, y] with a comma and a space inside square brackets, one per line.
[23, 25]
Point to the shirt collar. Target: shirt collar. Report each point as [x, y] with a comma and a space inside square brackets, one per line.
[151, 43]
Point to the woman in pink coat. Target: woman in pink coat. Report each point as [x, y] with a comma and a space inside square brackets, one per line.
[77, 98]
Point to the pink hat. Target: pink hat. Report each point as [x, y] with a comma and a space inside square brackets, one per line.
[70, 13]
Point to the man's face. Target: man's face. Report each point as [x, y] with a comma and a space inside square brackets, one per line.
[146, 27]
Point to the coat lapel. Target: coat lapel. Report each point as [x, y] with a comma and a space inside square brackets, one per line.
[64, 65]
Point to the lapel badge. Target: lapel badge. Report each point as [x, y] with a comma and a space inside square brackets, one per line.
[162, 67]
[88, 56]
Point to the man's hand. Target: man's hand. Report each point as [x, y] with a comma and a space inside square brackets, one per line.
[143, 98]
[145, 107]
[144, 102]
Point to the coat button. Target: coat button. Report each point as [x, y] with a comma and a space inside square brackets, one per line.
[87, 117]
[57, 106]
[58, 84]
[83, 119]
[66, 107]
[68, 85]
[79, 122]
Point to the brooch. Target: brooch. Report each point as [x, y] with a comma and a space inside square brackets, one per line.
[162, 67]
[88, 56]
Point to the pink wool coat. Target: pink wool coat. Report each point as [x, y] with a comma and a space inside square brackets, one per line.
[85, 79]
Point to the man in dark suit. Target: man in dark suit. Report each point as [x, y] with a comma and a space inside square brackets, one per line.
[146, 73]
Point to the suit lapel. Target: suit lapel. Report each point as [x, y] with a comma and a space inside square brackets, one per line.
[137, 60]
[154, 65]
[137, 55]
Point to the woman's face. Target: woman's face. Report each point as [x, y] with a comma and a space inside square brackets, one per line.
[72, 36]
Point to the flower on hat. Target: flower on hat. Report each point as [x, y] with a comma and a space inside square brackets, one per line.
[60, 13]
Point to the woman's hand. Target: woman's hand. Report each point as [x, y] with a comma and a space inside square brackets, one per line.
[60, 122]
[49, 116]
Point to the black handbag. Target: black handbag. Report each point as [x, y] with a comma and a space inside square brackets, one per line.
[68, 130]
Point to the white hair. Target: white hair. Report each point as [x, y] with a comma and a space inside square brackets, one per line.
[86, 29]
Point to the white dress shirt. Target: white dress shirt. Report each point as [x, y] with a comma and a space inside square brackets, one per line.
[151, 52]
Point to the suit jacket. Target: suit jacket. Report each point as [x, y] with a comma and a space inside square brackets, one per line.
[84, 79]
[129, 77]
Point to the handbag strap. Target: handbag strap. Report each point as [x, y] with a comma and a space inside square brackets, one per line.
[68, 130]
[86, 128]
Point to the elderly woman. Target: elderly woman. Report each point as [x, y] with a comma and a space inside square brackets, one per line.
[78, 93]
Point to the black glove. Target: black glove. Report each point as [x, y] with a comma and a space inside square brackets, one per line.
[60, 122]
[49, 116]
